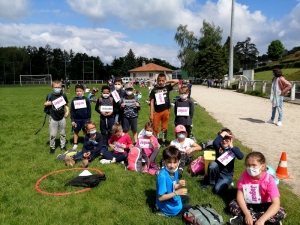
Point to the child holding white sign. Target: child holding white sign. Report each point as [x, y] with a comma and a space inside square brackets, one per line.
[80, 113]
[184, 110]
[258, 199]
[59, 110]
[220, 172]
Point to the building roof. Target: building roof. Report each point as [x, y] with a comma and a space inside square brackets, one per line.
[150, 67]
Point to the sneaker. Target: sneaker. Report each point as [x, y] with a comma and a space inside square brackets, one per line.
[75, 146]
[237, 220]
[113, 160]
[52, 150]
[279, 123]
[84, 163]
[105, 161]
[270, 121]
[63, 148]
[122, 162]
[69, 161]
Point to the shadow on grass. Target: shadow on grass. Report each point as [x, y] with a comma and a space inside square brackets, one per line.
[151, 199]
[253, 120]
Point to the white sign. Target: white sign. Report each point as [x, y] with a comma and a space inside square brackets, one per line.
[116, 96]
[252, 193]
[80, 104]
[159, 97]
[183, 111]
[106, 108]
[59, 102]
[118, 147]
[129, 102]
[226, 157]
[145, 143]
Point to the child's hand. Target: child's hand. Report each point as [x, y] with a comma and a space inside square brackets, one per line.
[190, 151]
[152, 143]
[249, 220]
[74, 124]
[66, 114]
[109, 114]
[123, 105]
[47, 103]
[112, 146]
[181, 183]
[86, 154]
[123, 145]
[103, 113]
[182, 191]
[137, 104]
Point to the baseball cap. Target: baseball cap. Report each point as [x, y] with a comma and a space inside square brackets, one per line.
[180, 128]
[128, 85]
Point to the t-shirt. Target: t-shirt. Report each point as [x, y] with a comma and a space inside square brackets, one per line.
[57, 113]
[165, 184]
[184, 120]
[267, 186]
[148, 151]
[166, 92]
[187, 143]
[124, 139]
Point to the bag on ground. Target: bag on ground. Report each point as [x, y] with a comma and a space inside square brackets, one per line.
[197, 166]
[208, 145]
[134, 159]
[202, 215]
[87, 181]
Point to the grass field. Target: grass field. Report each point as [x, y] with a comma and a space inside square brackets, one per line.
[289, 74]
[125, 197]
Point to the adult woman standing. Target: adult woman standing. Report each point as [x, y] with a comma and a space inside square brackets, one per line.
[280, 87]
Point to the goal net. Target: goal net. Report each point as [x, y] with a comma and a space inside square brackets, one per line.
[36, 79]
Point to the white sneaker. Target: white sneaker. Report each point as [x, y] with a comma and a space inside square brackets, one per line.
[113, 160]
[270, 121]
[105, 161]
[75, 147]
[279, 123]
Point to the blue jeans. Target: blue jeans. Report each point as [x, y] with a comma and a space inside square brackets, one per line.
[279, 107]
[220, 181]
[106, 124]
[79, 156]
[110, 155]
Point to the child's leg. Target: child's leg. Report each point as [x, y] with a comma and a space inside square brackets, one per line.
[154, 154]
[121, 157]
[260, 209]
[53, 126]
[213, 173]
[156, 121]
[235, 208]
[222, 184]
[103, 129]
[62, 132]
[108, 155]
[165, 122]
[110, 123]
[134, 122]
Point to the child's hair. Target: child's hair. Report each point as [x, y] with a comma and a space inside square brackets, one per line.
[161, 75]
[149, 124]
[184, 89]
[277, 72]
[171, 153]
[79, 86]
[89, 123]
[118, 79]
[56, 82]
[105, 87]
[257, 155]
[226, 130]
[116, 128]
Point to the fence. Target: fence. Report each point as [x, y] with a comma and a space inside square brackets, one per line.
[71, 82]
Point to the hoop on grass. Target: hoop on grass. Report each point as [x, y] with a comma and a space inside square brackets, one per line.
[36, 79]
[37, 185]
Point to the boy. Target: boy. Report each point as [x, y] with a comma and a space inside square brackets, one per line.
[59, 110]
[80, 113]
[184, 110]
[160, 104]
[105, 107]
[170, 193]
[118, 94]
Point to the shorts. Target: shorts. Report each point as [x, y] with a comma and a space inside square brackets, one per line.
[80, 126]
[130, 122]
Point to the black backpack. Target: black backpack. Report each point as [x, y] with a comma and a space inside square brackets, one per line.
[208, 145]
[47, 108]
[87, 181]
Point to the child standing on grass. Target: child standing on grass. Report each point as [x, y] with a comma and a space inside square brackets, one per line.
[258, 199]
[80, 113]
[59, 110]
[130, 107]
[120, 142]
[93, 141]
[118, 94]
[105, 107]
[184, 110]
[220, 172]
[170, 191]
[160, 105]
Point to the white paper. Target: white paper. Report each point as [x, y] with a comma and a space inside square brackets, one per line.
[183, 111]
[159, 97]
[116, 96]
[145, 143]
[106, 108]
[226, 157]
[118, 147]
[129, 102]
[59, 102]
[252, 193]
[85, 173]
[80, 104]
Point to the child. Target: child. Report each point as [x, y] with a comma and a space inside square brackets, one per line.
[258, 198]
[104, 107]
[91, 149]
[171, 193]
[80, 112]
[59, 110]
[118, 94]
[149, 144]
[130, 107]
[220, 172]
[186, 146]
[160, 105]
[119, 142]
[184, 110]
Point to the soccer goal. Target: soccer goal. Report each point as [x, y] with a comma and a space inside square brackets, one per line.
[36, 79]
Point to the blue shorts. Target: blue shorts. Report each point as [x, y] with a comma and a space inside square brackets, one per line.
[130, 122]
[80, 126]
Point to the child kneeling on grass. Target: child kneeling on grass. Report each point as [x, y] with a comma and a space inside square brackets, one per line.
[258, 199]
[120, 142]
[171, 193]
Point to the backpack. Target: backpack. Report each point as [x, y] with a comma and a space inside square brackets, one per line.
[208, 145]
[134, 159]
[197, 166]
[87, 181]
[202, 215]
[47, 108]
[110, 99]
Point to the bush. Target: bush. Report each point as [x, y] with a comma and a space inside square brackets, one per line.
[297, 54]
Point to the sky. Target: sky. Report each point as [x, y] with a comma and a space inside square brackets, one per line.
[109, 28]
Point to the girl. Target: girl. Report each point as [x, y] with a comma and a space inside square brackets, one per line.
[120, 142]
[149, 144]
[257, 200]
[186, 146]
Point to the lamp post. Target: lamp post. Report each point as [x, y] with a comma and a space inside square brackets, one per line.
[48, 65]
[231, 44]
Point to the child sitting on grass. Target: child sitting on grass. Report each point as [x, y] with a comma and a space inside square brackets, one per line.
[258, 199]
[120, 142]
[170, 191]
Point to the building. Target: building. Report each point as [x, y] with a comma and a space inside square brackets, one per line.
[149, 71]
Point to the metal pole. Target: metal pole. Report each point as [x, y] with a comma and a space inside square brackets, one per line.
[65, 70]
[231, 43]
[30, 66]
[83, 71]
[48, 66]
[14, 73]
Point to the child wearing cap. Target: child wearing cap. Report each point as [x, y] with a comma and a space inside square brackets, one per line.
[186, 146]
[130, 107]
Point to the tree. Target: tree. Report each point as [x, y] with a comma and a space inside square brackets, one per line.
[210, 35]
[128, 64]
[275, 50]
[247, 53]
[236, 61]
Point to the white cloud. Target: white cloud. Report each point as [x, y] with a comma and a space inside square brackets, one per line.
[13, 10]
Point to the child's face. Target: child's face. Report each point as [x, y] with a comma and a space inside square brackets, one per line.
[119, 134]
[172, 164]
[161, 81]
[105, 91]
[253, 164]
[90, 127]
[226, 141]
[79, 92]
[118, 83]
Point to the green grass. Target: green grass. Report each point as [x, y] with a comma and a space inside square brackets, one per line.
[125, 197]
[289, 74]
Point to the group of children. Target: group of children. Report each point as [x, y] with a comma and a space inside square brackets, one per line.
[257, 199]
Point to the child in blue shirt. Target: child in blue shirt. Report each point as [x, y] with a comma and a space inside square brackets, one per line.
[171, 193]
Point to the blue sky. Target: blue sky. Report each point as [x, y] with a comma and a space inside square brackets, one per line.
[110, 28]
